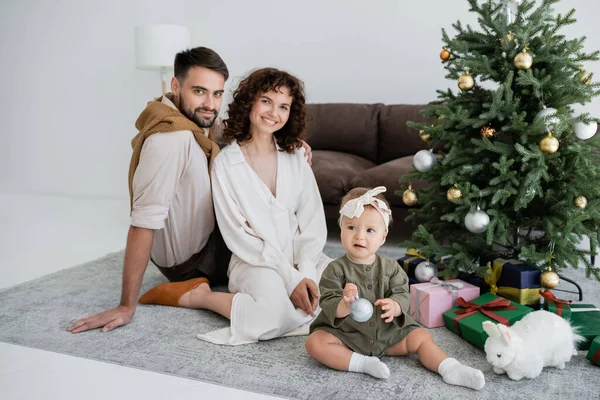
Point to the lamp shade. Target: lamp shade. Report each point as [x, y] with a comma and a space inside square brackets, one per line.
[156, 45]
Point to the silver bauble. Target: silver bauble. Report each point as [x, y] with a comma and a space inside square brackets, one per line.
[361, 310]
[549, 116]
[425, 271]
[585, 131]
[477, 221]
[424, 160]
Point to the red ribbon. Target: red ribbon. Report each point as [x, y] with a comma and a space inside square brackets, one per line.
[550, 297]
[470, 308]
[596, 357]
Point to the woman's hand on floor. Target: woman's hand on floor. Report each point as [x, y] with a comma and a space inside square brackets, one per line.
[107, 320]
[306, 296]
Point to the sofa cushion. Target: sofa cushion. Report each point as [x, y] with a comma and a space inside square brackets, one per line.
[396, 139]
[387, 175]
[334, 171]
[346, 128]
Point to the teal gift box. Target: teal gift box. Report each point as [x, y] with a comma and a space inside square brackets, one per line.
[594, 352]
[466, 319]
[586, 317]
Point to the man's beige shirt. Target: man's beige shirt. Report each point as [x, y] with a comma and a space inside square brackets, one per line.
[172, 195]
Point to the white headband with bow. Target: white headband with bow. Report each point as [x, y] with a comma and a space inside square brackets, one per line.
[355, 207]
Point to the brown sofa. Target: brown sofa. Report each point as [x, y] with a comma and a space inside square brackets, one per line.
[363, 145]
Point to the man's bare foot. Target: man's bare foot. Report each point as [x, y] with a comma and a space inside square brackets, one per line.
[193, 298]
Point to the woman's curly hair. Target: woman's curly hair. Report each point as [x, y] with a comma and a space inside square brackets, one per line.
[237, 126]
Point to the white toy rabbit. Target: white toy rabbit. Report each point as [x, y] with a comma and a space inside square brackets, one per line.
[541, 339]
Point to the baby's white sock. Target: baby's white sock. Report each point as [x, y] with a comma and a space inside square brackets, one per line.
[368, 365]
[458, 374]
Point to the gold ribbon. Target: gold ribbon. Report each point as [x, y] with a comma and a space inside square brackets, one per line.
[414, 256]
[522, 296]
[415, 253]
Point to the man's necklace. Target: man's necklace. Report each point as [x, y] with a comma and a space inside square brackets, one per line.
[274, 181]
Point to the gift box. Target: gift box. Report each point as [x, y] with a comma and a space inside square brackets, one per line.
[562, 308]
[475, 280]
[429, 300]
[410, 261]
[466, 319]
[514, 280]
[586, 317]
[594, 352]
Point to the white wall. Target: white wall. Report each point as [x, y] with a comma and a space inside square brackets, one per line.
[71, 93]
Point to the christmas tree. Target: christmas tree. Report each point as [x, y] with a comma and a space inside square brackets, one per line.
[517, 171]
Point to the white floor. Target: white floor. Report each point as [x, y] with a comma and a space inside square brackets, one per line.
[43, 234]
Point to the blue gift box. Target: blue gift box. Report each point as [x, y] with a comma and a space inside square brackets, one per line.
[474, 279]
[410, 261]
[514, 280]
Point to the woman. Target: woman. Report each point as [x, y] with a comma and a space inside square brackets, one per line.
[271, 216]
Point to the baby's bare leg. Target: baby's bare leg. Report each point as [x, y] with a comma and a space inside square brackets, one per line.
[433, 358]
[330, 351]
[421, 343]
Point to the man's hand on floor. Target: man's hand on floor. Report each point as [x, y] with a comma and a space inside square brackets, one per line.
[107, 320]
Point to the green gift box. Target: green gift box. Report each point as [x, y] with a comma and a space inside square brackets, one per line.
[562, 308]
[466, 319]
[586, 317]
[594, 353]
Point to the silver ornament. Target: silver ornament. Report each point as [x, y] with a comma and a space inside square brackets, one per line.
[425, 271]
[585, 131]
[548, 114]
[361, 310]
[477, 221]
[510, 10]
[424, 160]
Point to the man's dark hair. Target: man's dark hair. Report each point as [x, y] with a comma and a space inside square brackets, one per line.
[198, 57]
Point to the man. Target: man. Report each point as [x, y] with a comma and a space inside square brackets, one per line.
[172, 216]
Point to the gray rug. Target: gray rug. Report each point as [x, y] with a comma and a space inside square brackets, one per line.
[163, 339]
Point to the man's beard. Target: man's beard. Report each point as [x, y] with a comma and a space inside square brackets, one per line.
[193, 116]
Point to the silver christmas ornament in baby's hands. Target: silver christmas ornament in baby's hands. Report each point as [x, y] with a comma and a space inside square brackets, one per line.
[541, 339]
[361, 310]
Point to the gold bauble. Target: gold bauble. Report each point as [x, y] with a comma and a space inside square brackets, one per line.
[466, 82]
[424, 136]
[585, 77]
[507, 39]
[445, 55]
[409, 197]
[523, 60]
[549, 144]
[453, 193]
[549, 279]
[488, 132]
[581, 201]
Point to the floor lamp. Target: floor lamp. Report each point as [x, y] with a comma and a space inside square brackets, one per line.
[156, 46]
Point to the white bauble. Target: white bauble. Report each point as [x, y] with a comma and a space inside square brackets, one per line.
[585, 131]
[549, 115]
[361, 310]
[424, 160]
[425, 271]
[477, 221]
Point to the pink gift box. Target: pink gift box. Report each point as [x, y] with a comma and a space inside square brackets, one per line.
[428, 301]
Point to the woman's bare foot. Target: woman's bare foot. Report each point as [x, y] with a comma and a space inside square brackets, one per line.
[193, 298]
